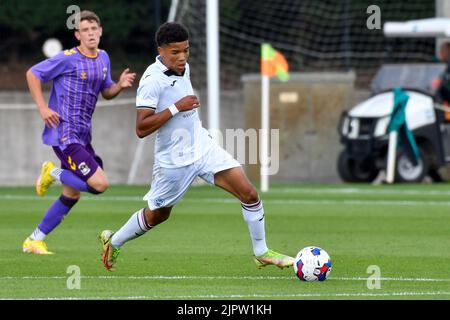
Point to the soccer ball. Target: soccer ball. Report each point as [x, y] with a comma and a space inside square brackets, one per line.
[312, 264]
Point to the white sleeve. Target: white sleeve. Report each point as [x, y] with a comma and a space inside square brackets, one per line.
[147, 96]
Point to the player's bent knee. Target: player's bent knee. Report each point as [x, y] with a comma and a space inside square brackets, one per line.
[250, 196]
[98, 187]
[98, 182]
[102, 187]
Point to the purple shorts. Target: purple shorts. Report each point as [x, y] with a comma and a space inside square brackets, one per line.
[79, 159]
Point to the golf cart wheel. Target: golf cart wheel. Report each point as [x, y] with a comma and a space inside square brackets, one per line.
[350, 170]
[405, 171]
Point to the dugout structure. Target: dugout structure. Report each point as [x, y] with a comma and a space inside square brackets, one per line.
[306, 110]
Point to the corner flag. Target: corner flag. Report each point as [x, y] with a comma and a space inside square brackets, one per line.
[273, 63]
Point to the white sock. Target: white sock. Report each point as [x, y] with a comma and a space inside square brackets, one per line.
[254, 216]
[135, 227]
[56, 173]
[37, 235]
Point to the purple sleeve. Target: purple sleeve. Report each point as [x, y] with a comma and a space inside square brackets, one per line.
[108, 82]
[51, 68]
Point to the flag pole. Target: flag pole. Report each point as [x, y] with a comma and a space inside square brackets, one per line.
[392, 152]
[272, 63]
[397, 122]
[264, 153]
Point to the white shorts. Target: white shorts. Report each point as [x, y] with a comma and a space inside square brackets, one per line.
[170, 184]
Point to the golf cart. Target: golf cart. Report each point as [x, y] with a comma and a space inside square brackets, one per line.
[364, 129]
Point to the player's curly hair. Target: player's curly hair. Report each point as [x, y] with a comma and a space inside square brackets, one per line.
[171, 32]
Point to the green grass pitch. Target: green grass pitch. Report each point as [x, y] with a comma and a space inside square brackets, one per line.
[204, 251]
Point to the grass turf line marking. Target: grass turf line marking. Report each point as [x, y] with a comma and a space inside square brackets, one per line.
[361, 191]
[234, 296]
[257, 278]
[275, 201]
[351, 191]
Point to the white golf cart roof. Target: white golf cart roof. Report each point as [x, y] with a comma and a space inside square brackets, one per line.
[432, 27]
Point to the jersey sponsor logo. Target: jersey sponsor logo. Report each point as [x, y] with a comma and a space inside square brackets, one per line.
[188, 114]
[83, 75]
[70, 52]
[72, 165]
[84, 169]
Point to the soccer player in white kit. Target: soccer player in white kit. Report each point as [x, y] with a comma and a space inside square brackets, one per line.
[184, 150]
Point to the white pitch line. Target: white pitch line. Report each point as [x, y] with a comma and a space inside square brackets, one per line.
[352, 191]
[244, 296]
[214, 278]
[274, 201]
[392, 279]
[411, 192]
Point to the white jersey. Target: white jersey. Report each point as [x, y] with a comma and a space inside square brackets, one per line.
[182, 140]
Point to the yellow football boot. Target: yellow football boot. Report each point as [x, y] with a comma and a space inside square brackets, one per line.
[45, 179]
[275, 258]
[35, 246]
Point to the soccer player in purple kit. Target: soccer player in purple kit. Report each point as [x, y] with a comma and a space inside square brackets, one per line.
[79, 75]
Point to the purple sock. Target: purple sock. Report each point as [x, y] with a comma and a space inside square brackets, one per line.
[72, 180]
[55, 214]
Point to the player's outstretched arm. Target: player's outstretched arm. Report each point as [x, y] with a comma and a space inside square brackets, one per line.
[50, 117]
[147, 121]
[125, 81]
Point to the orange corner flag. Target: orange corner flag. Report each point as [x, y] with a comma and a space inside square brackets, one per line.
[273, 63]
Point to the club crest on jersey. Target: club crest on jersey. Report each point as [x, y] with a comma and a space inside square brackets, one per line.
[84, 169]
[159, 202]
[83, 75]
[104, 71]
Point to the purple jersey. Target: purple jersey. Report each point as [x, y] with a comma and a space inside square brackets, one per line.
[77, 82]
